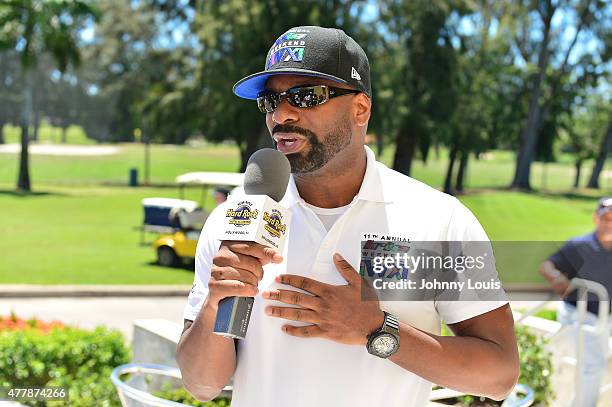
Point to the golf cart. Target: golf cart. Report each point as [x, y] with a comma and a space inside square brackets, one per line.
[178, 222]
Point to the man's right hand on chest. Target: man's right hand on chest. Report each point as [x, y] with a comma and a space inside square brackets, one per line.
[237, 269]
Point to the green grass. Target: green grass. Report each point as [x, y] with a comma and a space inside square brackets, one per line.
[167, 161]
[48, 134]
[493, 170]
[79, 236]
[527, 228]
[78, 225]
[85, 235]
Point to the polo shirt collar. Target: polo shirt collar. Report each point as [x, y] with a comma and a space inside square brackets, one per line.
[372, 187]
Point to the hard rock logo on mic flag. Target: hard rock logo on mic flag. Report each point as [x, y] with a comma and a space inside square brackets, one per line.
[274, 224]
[242, 215]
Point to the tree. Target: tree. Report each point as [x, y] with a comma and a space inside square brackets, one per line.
[484, 87]
[10, 96]
[604, 151]
[423, 31]
[547, 76]
[33, 28]
[235, 37]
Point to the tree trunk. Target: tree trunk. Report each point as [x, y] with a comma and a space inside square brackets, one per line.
[379, 145]
[404, 150]
[254, 143]
[448, 187]
[1, 132]
[64, 135]
[531, 130]
[465, 155]
[578, 166]
[606, 148]
[23, 181]
[36, 125]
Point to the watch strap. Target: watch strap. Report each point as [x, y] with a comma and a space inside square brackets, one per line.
[390, 324]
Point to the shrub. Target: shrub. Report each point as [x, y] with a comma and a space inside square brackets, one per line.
[80, 361]
[535, 364]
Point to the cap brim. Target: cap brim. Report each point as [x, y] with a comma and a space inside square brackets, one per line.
[253, 85]
[603, 210]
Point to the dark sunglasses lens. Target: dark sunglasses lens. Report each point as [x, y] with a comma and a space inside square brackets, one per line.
[298, 97]
[306, 97]
[271, 102]
[267, 103]
[261, 104]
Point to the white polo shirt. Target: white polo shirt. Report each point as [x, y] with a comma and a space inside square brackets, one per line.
[277, 370]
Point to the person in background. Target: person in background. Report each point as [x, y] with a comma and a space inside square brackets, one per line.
[587, 257]
[220, 194]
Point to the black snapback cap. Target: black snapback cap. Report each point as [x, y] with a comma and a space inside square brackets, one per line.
[312, 51]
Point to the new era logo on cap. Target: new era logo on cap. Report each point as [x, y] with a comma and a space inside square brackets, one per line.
[355, 74]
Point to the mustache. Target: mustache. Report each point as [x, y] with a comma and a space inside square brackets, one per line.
[287, 128]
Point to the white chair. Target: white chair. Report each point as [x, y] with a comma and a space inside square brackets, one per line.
[602, 328]
[136, 392]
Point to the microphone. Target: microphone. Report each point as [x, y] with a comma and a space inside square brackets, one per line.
[255, 217]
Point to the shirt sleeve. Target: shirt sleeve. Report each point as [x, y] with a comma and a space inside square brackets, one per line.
[464, 227]
[206, 249]
[567, 260]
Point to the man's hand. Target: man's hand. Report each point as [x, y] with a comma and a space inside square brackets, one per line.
[336, 312]
[558, 280]
[237, 269]
[560, 286]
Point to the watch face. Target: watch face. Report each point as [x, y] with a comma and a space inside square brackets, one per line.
[384, 345]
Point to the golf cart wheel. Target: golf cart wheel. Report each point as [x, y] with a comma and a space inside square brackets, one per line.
[166, 257]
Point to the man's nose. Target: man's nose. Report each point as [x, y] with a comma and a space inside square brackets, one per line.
[285, 113]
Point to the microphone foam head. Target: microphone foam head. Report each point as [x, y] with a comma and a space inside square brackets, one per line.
[267, 173]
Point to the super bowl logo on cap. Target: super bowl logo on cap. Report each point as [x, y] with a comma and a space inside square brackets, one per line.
[274, 224]
[288, 47]
[242, 215]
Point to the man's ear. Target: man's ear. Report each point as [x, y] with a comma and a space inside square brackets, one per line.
[362, 108]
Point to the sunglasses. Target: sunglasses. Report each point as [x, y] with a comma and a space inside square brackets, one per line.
[304, 96]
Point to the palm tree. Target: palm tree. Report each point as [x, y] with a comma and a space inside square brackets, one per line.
[33, 28]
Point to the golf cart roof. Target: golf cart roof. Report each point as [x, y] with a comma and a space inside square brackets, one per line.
[211, 178]
[169, 203]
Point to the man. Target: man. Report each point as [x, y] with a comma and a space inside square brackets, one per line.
[587, 257]
[308, 339]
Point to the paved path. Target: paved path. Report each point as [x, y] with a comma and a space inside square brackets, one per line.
[89, 312]
[62, 149]
[115, 312]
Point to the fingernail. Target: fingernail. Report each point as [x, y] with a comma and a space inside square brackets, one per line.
[268, 311]
[277, 279]
[337, 256]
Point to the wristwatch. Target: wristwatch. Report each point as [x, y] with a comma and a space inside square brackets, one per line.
[384, 342]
